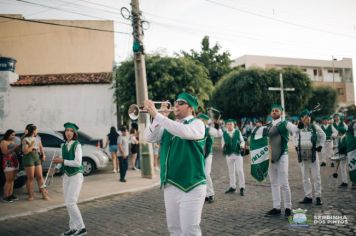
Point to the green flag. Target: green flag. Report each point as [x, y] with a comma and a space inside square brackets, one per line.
[352, 165]
[259, 154]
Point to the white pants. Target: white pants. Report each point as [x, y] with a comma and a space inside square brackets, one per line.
[235, 165]
[183, 210]
[313, 168]
[71, 190]
[327, 151]
[278, 175]
[209, 182]
[344, 169]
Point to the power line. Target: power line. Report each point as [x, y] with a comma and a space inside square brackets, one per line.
[280, 20]
[66, 10]
[64, 25]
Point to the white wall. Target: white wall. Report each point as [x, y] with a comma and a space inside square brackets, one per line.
[91, 107]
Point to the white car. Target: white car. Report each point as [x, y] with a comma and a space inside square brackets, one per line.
[93, 157]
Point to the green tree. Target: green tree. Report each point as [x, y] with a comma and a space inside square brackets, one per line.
[326, 97]
[166, 78]
[217, 63]
[244, 93]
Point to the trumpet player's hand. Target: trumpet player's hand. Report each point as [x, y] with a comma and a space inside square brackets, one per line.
[151, 108]
[57, 160]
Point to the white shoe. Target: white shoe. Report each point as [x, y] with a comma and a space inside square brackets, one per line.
[114, 171]
[157, 169]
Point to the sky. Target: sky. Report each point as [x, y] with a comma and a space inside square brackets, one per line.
[317, 29]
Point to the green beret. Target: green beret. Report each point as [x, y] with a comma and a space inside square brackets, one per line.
[230, 121]
[305, 112]
[276, 106]
[327, 118]
[190, 99]
[203, 116]
[71, 126]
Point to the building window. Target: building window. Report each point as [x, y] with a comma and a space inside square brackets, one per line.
[315, 72]
[340, 91]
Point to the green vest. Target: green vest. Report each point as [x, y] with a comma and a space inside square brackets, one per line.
[232, 144]
[70, 155]
[283, 131]
[328, 131]
[342, 146]
[338, 126]
[209, 143]
[182, 161]
[350, 137]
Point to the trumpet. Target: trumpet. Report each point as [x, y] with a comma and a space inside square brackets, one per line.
[214, 114]
[135, 110]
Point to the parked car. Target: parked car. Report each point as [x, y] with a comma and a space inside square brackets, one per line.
[84, 138]
[93, 158]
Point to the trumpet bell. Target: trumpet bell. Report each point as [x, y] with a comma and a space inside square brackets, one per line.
[134, 111]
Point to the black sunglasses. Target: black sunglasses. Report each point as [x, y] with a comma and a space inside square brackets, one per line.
[180, 102]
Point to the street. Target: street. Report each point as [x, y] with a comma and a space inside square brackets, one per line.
[143, 213]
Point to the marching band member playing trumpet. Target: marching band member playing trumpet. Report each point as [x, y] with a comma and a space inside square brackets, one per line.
[72, 179]
[182, 163]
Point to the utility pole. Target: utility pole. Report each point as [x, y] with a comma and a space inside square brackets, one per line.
[146, 152]
[281, 89]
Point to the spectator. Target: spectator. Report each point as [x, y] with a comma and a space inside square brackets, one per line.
[10, 164]
[134, 147]
[111, 140]
[123, 145]
[32, 163]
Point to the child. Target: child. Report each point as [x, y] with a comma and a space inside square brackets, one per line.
[73, 178]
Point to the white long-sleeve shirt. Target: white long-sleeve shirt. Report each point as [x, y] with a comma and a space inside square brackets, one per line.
[321, 137]
[192, 131]
[78, 155]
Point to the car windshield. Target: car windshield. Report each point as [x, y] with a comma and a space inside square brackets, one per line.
[84, 135]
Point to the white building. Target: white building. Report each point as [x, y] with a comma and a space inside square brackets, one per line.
[333, 73]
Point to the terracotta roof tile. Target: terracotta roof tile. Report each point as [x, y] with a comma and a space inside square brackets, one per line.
[64, 79]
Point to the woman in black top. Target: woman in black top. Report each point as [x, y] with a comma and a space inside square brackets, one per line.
[111, 140]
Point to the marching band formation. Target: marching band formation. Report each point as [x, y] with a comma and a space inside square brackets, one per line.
[186, 155]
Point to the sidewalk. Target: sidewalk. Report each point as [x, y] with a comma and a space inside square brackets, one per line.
[101, 184]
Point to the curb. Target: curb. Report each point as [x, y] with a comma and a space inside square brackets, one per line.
[134, 190]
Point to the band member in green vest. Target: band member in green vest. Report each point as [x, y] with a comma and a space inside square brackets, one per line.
[351, 151]
[210, 133]
[71, 160]
[182, 163]
[309, 140]
[331, 133]
[278, 170]
[343, 161]
[338, 123]
[232, 143]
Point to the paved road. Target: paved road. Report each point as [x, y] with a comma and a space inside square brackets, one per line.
[143, 213]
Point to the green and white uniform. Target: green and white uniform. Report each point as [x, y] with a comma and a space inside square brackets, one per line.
[182, 170]
[232, 142]
[351, 151]
[331, 134]
[72, 181]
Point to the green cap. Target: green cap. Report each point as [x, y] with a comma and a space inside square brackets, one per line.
[71, 126]
[190, 99]
[203, 116]
[305, 112]
[230, 121]
[342, 130]
[277, 106]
